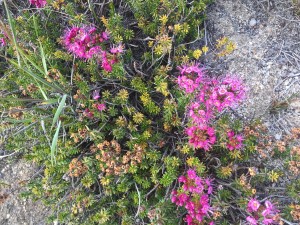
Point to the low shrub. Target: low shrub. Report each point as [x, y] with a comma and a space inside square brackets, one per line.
[109, 99]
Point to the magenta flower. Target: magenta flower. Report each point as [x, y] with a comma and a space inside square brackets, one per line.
[38, 3]
[96, 94]
[270, 206]
[174, 198]
[88, 113]
[235, 141]
[101, 107]
[182, 199]
[189, 220]
[190, 77]
[116, 50]
[201, 137]
[234, 90]
[190, 69]
[266, 216]
[251, 220]
[253, 205]
[92, 51]
[191, 174]
[219, 94]
[269, 212]
[106, 65]
[2, 42]
[267, 221]
[266, 212]
[182, 179]
[105, 35]
[81, 41]
[193, 197]
[199, 114]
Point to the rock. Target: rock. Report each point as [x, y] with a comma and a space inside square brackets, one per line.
[252, 22]
[278, 136]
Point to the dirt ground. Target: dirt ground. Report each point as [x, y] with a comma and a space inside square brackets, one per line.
[267, 58]
[15, 210]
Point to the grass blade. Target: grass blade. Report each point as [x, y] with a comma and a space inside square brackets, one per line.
[59, 109]
[54, 143]
[29, 72]
[13, 30]
[41, 47]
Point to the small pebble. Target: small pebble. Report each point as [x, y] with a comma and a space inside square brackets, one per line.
[277, 136]
[252, 22]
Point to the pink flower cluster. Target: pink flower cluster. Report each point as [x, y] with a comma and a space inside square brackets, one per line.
[266, 214]
[235, 141]
[3, 39]
[218, 94]
[38, 3]
[201, 136]
[85, 43]
[211, 97]
[194, 196]
[2, 42]
[199, 114]
[98, 106]
[82, 41]
[190, 77]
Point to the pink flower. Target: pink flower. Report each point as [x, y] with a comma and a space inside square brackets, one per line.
[105, 35]
[118, 49]
[201, 137]
[88, 113]
[2, 42]
[93, 51]
[174, 198]
[267, 221]
[189, 220]
[182, 198]
[209, 186]
[38, 3]
[182, 179]
[270, 210]
[106, 65]
[235, 141]
[191, 174]
[199, 114]
[189, 69]
[222, 90]
[190, 78]
[193, 197]
[96, 94]
[81, 41]
[235, 90]
[218, 94]
[251, 220]
[253, 205]
[270, 206]
[101, 107]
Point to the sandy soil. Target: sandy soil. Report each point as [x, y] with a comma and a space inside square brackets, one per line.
[15, 210]
[267, 57]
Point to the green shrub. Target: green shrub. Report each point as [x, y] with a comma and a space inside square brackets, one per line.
[111, 141]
